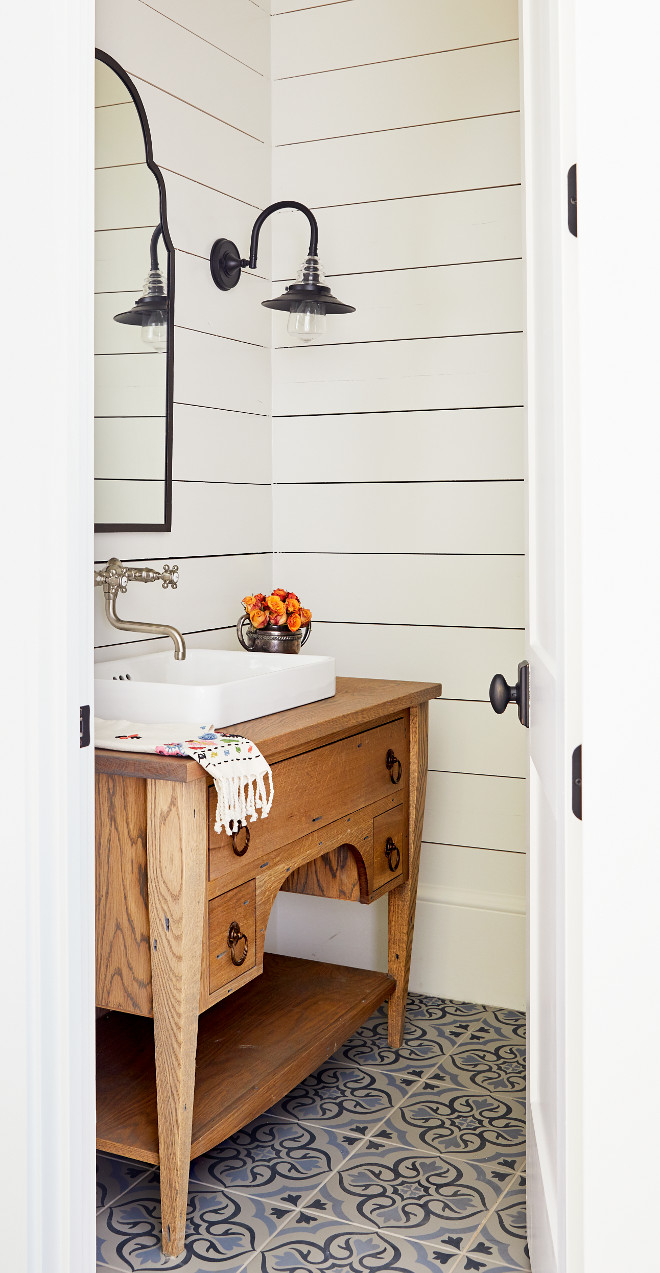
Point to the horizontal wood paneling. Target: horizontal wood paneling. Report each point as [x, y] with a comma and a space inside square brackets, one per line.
[463, 659]
[118, 136]
[239, 27]
[108, 88]
[469, 954]
[211, 371]
[465, 155]
[167, 55]
[199, 215]
[116, 500]
[400, 445]
[395, 588]
[479, 812]
[476, 878]
[224, 446]
[471, 738]
[237, 314]
[130, 448]
[208, 596]
[447, 517]
[125, 197]
[207, 518]
[455, 300]
[471, 371]
[397, 94]
[406, 233]
[316, 38]
[139, 390]
[121, 259]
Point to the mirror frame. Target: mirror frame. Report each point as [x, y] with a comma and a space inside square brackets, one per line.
[166, 525]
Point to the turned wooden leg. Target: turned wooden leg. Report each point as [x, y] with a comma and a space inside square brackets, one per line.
[402, 900]
[176, 862]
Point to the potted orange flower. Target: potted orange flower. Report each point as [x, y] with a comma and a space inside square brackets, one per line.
[277, 623]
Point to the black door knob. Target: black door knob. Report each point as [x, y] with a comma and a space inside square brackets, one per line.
[501, 694]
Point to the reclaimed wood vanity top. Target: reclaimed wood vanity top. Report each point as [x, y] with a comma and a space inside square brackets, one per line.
[358, 702]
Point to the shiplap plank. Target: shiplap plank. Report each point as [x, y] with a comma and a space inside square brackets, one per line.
[467, 953]
[221, 446]
[282, 6]
[454, 300]
[108, 88]
[469, 371]
[447, 517]
[396, 588]
[321, 38]
[206, 519]
[477, 811]
[197, 216]
[475, 225]
[129, 384]
[470, 738]
[121, 259]
[237, 314]
[400, 445]
[239, 27]
[125, 197]
[163, 53]
[464, 155]
[211, 371]
[129, 448]
[473, 876]
[397, 94]
[121, 501]
[199, 146]
[118, 136]
[208, 596]
[463, 660]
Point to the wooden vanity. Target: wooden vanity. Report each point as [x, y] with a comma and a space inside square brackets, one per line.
[207, 1031]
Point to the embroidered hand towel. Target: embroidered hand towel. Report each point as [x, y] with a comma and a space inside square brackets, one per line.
[236, 765]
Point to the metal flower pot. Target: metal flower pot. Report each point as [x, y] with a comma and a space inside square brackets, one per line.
[271, 640]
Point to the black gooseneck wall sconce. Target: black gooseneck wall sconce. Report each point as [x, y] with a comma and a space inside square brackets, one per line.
[308, 300]
[150, 309]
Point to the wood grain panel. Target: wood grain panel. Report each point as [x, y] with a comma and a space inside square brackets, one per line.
[454, 300]
[236, 906]
[314, 37]
[451, 517]
[402, 900]
[469, 371]
[449, 445]
[334, 874]
[123, 957]
[390, 826]
[397, 94]
[465, 155]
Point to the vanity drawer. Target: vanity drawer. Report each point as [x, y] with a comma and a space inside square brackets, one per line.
[232, 922]
[390, 846]
[318, 787]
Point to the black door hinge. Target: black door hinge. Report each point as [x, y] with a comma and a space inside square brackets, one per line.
[85, 736]
[572, 199]
[576, 782]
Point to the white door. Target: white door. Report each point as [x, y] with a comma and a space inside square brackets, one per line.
[553, 638]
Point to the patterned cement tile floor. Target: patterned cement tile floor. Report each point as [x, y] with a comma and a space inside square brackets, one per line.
[402, 1160]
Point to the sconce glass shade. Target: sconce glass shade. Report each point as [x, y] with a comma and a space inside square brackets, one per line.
[309, 289]
[150, 313]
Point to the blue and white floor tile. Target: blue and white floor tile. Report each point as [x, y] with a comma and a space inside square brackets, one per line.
[403, 1160]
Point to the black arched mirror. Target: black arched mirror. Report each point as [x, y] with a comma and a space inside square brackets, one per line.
[133, 330]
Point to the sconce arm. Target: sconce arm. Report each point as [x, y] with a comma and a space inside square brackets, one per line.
[153, 247]
[275, 207]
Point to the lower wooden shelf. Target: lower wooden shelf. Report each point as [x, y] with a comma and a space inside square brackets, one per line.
[251, 1050]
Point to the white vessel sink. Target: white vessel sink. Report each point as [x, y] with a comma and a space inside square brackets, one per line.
[219, 687]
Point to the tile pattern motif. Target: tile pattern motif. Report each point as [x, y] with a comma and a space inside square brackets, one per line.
[396, 1160]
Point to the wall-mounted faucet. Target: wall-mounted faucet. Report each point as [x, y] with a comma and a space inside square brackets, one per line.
[115, 577]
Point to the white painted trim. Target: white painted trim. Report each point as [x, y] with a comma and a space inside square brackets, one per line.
[472, 899]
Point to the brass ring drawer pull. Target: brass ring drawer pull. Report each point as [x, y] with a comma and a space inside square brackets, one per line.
[239, 852]
[234, 936]
[391, 761]
[392, 849]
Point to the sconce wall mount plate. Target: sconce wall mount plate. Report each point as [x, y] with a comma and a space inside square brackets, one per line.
[226, 264]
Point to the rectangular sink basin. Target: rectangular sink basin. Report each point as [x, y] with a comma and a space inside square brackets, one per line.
[214, 687]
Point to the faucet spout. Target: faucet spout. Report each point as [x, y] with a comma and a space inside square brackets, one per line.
[154, 629]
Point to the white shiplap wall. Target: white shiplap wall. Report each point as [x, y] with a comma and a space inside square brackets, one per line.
[203, 73]
[398, 441]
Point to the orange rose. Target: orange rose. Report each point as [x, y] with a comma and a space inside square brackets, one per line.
[293, 595]
[259, 600]
[249, 603]
[258, 618]
[278, 620]
[293, 622]
[275, 604]
[281, 593]
[292, 605]
[305, 616]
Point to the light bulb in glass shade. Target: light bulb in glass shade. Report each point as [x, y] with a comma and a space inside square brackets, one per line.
[154, 330]
[306, 321]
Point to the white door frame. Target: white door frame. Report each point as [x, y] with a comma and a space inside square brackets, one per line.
[46, 323]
